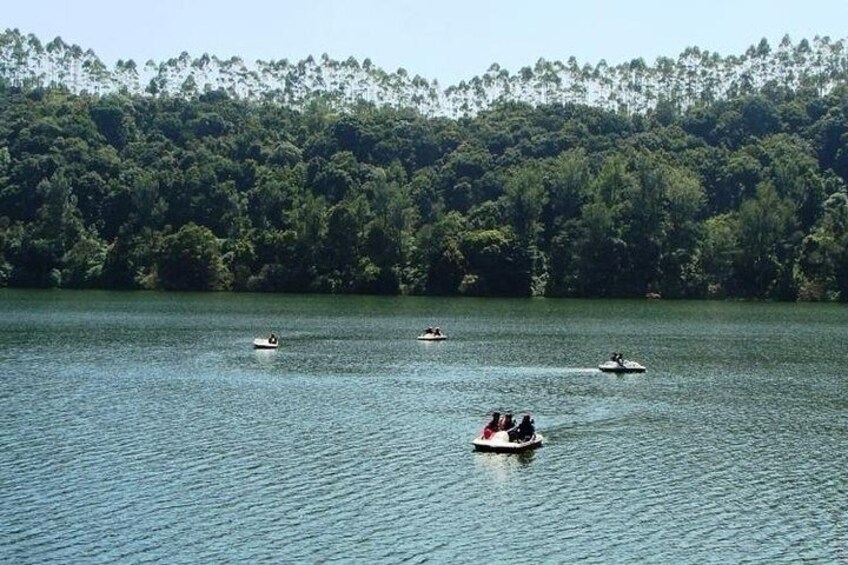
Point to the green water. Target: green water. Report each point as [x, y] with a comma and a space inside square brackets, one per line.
[143, 427]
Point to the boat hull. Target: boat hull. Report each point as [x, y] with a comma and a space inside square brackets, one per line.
[260, 343]
[628, 367]
[497, 444]
[431, 337]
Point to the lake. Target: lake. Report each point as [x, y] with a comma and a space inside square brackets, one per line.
[143, 427]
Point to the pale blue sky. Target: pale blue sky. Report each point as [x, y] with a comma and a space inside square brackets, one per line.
[441, 39]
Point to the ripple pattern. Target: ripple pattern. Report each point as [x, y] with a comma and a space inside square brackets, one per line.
[355, 449]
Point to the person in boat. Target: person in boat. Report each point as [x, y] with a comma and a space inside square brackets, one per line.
[437, 331]
[523, 431]
[272, 339]
[428, 331]
[492, 426]
[506, 423]
[618, 358]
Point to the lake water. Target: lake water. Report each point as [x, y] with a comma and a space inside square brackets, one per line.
[142, 427]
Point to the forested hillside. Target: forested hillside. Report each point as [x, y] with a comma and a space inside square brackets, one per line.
[699, 190]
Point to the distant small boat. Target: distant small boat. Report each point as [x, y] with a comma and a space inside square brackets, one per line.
[432, 337]
[264, 343]
[623, 367]
[499, 443]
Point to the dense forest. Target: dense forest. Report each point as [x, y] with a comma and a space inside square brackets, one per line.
[696, 177]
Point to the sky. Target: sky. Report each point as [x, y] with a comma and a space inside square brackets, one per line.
[446, 40]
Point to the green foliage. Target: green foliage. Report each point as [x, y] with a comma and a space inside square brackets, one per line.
[191, 260]
[764, 223]
[823, 257]
[743, 197]
[496, 264]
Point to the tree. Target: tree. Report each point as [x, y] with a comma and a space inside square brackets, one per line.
[342, 247]
[823, 257]
[524, 197]
[112, 123]
[684, 199]
[763, 225]
[442, 255]
[717, 252]
[190, 259]
[496, 264]
[567, 178]
[83, 263]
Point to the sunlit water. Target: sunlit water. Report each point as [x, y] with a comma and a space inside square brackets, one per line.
[142, 427]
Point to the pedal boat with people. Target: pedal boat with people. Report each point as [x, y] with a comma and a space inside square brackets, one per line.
[265, 343]
[499, 443]
[624, 366]
[432, 336]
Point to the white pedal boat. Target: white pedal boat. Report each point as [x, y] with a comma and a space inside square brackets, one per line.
[264, 343]
[499, 443]
[431, 337]
[624, 367]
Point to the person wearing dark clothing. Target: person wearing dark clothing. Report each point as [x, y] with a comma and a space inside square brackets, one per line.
[523, 431]
[272, 339]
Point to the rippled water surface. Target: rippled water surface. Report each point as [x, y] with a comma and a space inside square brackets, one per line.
[142, 427]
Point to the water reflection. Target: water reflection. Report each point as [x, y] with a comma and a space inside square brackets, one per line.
[264, 356]
[502, 465]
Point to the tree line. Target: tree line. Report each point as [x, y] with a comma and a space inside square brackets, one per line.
[695, 77]
[737, 197]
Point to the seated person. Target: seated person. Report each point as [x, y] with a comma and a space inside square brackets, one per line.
[523, 431]
[492, 426]
[272, 339]
[506, 423]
